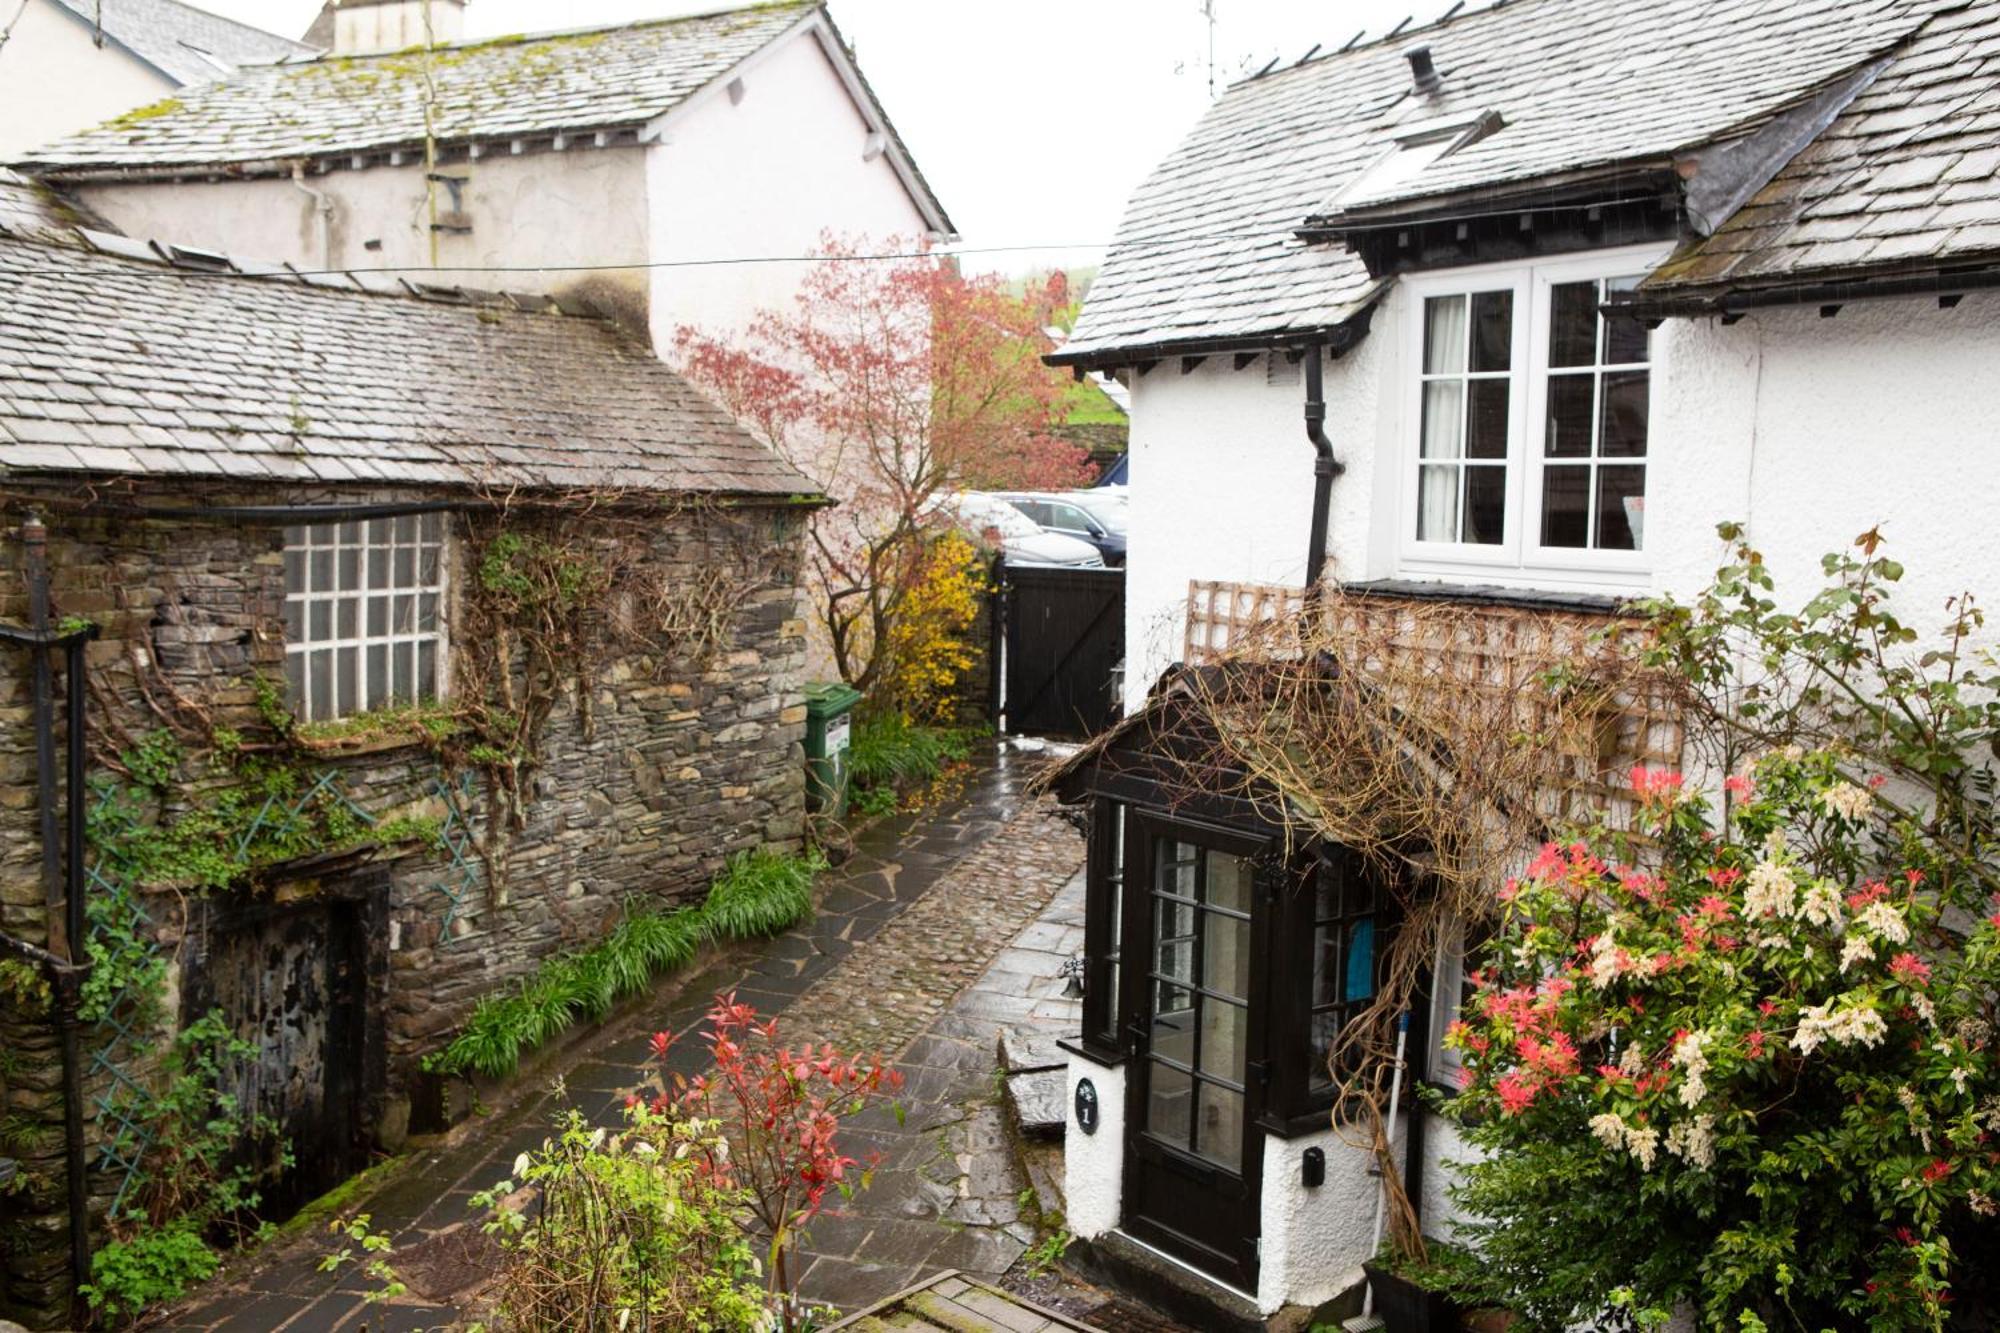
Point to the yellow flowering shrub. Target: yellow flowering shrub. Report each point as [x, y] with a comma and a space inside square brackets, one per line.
[927, 646]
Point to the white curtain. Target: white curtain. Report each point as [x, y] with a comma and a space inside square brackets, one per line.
[1444, 419]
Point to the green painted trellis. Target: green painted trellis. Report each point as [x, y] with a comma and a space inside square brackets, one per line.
[455, 839]
[126, 1138]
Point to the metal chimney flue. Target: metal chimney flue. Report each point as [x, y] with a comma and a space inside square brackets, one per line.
[1423, 69]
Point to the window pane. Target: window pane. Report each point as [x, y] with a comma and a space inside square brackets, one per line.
[427, 670]
[1570, 408]
[404, 621]
[406, 528]
[381, 531]
[406, 566]
[1492, 330]
[350, 568]
[378, 675]
[378, 567]
[295, 678]
[1225, 954]
[1221, 1135]
[1225, 1035]
[1625, 340]
[430, 527]
[1486, 421]
[1625, 414]
[1229, 879]
[319, 621]
[1443, 436]
[1444, 335]
[1566, 506]
[1485, 505]
[378, 615]
[348, 680]
[427, 565]
[404, 680]
[295, 567]
[1169, 1105]
[321, 703]
[1573, 324]
[1621, 508]
[1437, 503]
[295, 621]
[1325, 1028]
[350, 534]
[1360, 961]
[347, 623]
[323, 534]
[1326, 965]
[322, 570]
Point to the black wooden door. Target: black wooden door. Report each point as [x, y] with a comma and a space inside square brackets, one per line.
[1064, 640]
[289, 980]
[1194, 1155]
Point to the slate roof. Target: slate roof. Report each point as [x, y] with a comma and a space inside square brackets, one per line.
[28, 207]
[177, 39]
[1907, 178]
[1208, 252]
[497, 89]
[115, 361]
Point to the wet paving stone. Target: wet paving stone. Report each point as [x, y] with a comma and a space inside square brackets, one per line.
[988, 862]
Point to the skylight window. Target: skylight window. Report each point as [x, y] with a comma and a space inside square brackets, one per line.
[1416, 148]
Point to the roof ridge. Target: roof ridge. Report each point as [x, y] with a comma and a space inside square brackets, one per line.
[1460, 12]
[513, 39]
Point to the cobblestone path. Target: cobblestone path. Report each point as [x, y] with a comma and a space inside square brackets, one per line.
[919, 910]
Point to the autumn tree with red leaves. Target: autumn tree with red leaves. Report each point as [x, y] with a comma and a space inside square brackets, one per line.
[891, 383]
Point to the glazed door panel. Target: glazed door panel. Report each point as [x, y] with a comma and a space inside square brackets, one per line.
[1194, 1154]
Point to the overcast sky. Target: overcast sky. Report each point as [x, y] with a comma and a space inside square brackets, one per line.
[1033, 119]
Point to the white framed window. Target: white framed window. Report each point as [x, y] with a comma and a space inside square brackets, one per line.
[364, 614]
[1527, 445]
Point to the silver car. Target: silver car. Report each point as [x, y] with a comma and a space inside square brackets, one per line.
[1024, 543]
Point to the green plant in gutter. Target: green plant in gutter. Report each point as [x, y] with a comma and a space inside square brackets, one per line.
[761, 893]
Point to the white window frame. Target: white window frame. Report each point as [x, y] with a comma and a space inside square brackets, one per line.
[1521, 556]
[303, 539]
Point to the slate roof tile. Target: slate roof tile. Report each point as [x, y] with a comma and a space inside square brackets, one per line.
[1207, 247]
[1929, 195]
[496, 89]
[114, 364]
[186, 44]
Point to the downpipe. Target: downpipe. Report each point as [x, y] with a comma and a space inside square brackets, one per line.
[323, 209]
[1325, 468]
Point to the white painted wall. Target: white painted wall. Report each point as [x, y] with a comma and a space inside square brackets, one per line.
[55, 81]
[1094, 1164]
[764, 174]
[1809, 429]
[1314, 1239]
[1812, 430]
[580, 206]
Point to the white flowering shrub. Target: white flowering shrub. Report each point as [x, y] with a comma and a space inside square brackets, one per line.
[1741, 1060]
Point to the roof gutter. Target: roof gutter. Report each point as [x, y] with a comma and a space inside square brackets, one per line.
[1733, 302]
[1332, 337]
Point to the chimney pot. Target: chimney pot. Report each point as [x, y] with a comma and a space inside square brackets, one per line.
[1424, 69]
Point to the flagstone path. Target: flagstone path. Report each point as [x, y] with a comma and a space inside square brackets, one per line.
[896, 959]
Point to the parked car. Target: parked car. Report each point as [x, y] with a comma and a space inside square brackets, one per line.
[1023, 542]
[1088, 516]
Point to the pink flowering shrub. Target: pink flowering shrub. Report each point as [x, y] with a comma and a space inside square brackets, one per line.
[777, 1112]
[1743, 1063]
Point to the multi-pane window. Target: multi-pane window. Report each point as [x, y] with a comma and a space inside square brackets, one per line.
[1594, 428]
[1462, 446]
[1104, 924]
[1530, 436]
[364, 607]
[1198, 1001]
[1348, 951]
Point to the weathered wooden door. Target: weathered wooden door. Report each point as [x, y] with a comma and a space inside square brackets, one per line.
[288, 978]
[1064, 642]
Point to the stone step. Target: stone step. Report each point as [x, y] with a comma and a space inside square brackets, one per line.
[1038, 1101]
[1025, 1048]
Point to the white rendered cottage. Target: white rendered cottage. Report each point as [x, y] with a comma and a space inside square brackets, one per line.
[1567, 284]
[603, 156]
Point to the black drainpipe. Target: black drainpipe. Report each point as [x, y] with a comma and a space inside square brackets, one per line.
[66, 966]
[1325, 468]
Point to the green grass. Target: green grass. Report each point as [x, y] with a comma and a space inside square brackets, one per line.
[889, 752]
[761, 893]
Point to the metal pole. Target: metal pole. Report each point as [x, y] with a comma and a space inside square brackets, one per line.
[73, 920]
[35, 546]
[1382, 1195]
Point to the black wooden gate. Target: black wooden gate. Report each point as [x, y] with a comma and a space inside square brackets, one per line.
[1064, 639]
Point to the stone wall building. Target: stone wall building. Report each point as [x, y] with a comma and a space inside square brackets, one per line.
[433, 630]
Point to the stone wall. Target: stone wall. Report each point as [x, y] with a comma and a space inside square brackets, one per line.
[645, 793]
